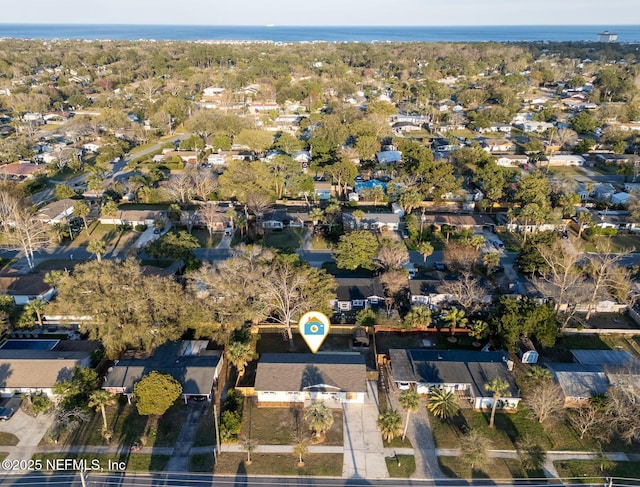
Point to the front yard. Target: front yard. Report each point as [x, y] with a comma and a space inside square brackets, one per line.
[274, 426]
[508, 431]
[128, 427]
[594, 471]
[495, 469]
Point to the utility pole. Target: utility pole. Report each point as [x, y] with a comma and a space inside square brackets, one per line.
[217, 425]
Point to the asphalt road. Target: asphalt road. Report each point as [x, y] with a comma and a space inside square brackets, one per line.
[241, 480]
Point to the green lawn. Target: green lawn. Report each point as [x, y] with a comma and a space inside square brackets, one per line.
[288, 239]
[397, 443]
[511, 240]
[137, 462]
[593, 471]
[129, 427]
[273, 426]
[567, 171]
[112, 236]
[326, 465]
[497, 468]
[206, 433]
[205, 240]
[65, 175]
[407, 465]
[319, 243]
[619, 243]
[509, 429]
[8, 439]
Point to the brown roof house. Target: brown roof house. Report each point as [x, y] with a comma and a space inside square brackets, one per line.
[336, 378]
[26, 287]
[34, 366]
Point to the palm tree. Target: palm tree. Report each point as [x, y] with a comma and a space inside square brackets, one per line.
[500, 388]
[390, 424]
[319, 417]
[410, 402]
[238, 353]
[456, 318]
[425, 249]
[537, 373]
[300, 446]
[37, 307]
[110, 209]
[442, 403]
[358, 215]
[98, 400]
[82, 209]
[316, 215]
[242, 223]
[418, 317]
[584, 218]
[97, 247]
[491, 260]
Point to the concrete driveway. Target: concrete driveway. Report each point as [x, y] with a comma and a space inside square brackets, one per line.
[363, 448]
[29, 431]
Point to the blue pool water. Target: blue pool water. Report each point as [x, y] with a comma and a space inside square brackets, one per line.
[29, 344]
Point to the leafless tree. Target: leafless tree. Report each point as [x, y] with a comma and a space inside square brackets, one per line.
[621, 285]
[210, 215]
[599, 266]
[623, 408]
[392, 255]
[460, 256]
[465, 290]
[204, 183]
[586, 418]
[394, 283]
[545, 400]
[180, 188]
[258, 203]
[564, 281]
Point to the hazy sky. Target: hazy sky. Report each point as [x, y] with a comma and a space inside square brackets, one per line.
[323, 12]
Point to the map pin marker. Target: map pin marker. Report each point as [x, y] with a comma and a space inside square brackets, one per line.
[314, 328]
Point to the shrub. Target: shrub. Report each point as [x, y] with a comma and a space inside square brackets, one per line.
[230, 424]
[41, 404]
[140, 228]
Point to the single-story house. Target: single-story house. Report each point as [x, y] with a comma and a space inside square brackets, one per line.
[188, 361]
[498, 146]
[94, 146]
[620, 220]
[56, 211]
[216, 159]
[336, 378]
[603, 191]
[372, 221]
[533, 126]
[460, 371]
[456, 221]
[621, 198]
[26, 287]
[20, 170]
[496, 127]
[184, 155]
[562, 160]
[579, 382]
[427, 292]
[37, 371]
[511, 160]
[357, 293]
[615, 159]
[132, 218]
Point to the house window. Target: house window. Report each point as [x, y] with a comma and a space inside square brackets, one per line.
[373, 300]
[358, 302]
[344, 305]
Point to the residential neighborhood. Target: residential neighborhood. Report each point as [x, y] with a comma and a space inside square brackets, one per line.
[468, 222]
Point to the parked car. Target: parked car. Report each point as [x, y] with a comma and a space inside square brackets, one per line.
[440, 266]
[6, 413]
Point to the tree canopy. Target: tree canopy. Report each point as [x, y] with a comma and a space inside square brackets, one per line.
[155, 393]
[121, 307]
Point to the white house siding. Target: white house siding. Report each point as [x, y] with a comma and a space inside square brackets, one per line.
[294, 396]
[503, 403]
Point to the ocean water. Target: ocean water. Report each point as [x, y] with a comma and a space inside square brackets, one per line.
[552, 33]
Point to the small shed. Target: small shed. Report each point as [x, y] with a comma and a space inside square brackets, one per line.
[360, 337]
[527, 352]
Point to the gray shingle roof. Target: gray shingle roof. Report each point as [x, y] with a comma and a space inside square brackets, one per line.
[302, 371]
[580, 380]
[350, 289]
[196, 373]
[605, 357]
[452, 367]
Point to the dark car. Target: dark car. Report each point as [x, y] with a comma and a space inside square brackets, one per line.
[6, 413]
[440, 266]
